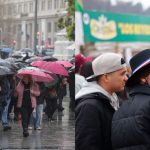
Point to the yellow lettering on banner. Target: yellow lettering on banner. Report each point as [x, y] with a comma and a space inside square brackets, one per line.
[137, 29]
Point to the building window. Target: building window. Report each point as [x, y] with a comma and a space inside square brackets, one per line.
[31, 7]
[9, 10]
[56, 4]
[14, 29]
[19, 8]
[49, 27]
[14, 9]
[1, 11]
[38, 7]
[4, 10]
[43, 5]
[25, 8]
[62, 4]
[49, 4]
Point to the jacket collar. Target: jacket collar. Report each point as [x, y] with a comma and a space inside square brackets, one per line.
[140, 89]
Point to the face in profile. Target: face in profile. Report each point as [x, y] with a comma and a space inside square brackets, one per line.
[118, 79]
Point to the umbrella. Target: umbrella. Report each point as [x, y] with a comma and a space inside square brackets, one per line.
[54, 76]
[55, 68]
[7, 50]
[35, 58]
[38, 63]
[38, 69]
[65, 63]
[49, 58]
[5, 71]
[36, 75]
[8, 64]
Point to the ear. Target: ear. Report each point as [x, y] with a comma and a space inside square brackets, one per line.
[143, 80]
[106, 77]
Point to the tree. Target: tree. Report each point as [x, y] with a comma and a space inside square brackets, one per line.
[68, 21]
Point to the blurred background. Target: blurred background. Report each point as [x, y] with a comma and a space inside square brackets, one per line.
[121, 26]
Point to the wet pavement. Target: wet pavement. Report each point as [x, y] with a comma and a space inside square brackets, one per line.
[57, 135]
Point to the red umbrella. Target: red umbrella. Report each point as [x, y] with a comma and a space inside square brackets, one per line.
[36, 75]
[55, 68]
[65, 63]
[38, 63]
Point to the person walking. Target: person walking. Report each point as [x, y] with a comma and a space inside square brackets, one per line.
[131, 123]
[96, 103]
[27, 91]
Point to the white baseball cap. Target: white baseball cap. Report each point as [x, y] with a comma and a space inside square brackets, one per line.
[107, 63]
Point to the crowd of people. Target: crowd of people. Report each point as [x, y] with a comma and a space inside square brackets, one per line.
[113, 102]
[28, 99]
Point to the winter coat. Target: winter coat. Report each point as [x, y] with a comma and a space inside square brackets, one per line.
[131, 123]
[34, 92]
[93, 122]
[41, 97]
[4, 86]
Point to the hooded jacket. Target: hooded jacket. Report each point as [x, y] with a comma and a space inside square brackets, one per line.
[34, 92]
[131, 123]
[93, 118]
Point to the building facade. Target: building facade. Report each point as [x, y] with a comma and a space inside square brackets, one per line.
[17, 23]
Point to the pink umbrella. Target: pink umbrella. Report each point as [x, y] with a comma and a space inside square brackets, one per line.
[55, 68]
[36, 75]
[38, 63]
[65, 63]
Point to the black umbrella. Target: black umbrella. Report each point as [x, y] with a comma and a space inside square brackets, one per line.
[5, 71]
[33, 59]
[49, 58]
[9, 64]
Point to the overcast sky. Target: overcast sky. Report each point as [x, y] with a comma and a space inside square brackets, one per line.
[145, 3]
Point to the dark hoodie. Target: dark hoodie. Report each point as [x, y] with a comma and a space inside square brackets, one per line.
[93, 122]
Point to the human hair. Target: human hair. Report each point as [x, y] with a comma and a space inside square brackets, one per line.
[29, 79]
[143, 73]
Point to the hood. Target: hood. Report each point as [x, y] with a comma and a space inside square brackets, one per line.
[93, 87]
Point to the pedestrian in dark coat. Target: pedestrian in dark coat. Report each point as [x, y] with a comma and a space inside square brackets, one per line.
[3, 94]
[96, 102]
[131, 123]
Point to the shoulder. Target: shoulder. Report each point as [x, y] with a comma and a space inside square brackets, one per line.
[92, 101]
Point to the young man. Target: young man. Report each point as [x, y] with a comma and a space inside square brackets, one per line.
[97, 101]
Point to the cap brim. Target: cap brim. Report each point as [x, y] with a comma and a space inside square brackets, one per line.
[91, 78]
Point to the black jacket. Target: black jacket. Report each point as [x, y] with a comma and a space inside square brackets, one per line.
[93, 122]
[131, 123]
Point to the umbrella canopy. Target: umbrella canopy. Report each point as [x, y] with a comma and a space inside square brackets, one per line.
[5, 71]
[8, 64]
[36, 75]
[38, 63]
[35, 58]
[55, 68]
[7, 50]
[65, 63]
[49, 58]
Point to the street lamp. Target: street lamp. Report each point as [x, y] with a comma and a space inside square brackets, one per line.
[1, 36]
[35, 28]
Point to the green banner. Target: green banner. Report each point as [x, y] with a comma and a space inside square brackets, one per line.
[106, 26]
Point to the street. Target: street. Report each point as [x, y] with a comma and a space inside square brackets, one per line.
[57, 135]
